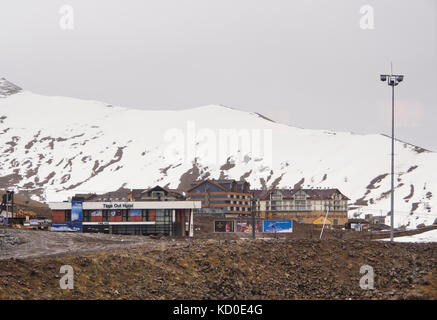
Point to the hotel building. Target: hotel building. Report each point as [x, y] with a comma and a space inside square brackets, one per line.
[302, 205]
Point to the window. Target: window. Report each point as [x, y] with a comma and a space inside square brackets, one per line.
[67, 215]
[86, 216]
[300, 204]
[300, 196]
[105, 216]
[125, 215]
[157, 194]
[277, 197]
[145, 215]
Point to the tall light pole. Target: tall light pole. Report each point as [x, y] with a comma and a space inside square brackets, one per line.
[253, 200]
[392, 80]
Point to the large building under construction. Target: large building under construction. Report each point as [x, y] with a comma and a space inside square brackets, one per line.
[303, 205]
[226, 197]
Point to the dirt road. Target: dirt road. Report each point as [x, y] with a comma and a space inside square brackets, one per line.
[32, 243]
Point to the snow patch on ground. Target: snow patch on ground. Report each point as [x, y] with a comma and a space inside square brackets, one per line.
[429, 236]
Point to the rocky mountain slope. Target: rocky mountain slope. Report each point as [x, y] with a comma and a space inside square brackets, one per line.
[199, 269]
[53, 147]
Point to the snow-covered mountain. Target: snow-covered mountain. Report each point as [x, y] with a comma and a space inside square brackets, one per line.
[53, 147]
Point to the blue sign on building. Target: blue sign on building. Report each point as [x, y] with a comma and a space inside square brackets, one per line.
[135, 213]
[282, 226]
[76, 210]
[66, 226]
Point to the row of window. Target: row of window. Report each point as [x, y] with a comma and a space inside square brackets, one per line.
[215, 196]
[160, 215]
[238, 209]
[209, 201]
[236, 196]
[300, 208]
[288, 208]
[320, 202]
[335, 221]
[306, 204]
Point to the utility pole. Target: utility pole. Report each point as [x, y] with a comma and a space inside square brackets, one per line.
[12, 203]
[326, 217]
[253, 216]
[392, 196]
[393, 80]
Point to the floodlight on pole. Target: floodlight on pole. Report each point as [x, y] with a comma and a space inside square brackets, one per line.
[392, 80]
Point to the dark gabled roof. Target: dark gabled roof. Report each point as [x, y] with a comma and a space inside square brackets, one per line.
[168, 190]
[223, 180]
[120, 193]
[85, 196]
[322, 194]
[138, 192]
[157, 187]
[314, 194]
[218, 182]
[195, 185]
[260, 194]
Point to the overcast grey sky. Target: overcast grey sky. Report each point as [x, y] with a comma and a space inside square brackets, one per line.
[303, 63]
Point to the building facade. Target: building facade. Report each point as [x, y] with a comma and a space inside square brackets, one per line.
[172, 218]
[302, 205]
[222, 197]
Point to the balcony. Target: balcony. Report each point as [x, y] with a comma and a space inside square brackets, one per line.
[288, 208]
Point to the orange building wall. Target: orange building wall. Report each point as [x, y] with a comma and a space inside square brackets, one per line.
[115, 219]
[96, 219]
[58, 215]
[152, 213]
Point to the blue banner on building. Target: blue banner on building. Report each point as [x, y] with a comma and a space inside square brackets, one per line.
[280, 226]
[76, 210]
[135, 213]
[66, 226]
[115, 213]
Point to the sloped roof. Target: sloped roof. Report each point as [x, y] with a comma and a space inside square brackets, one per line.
[194, 185]
[314, 194]
[321, 220]
[85, 196]
[260, 193]
[137, 192]
[120, 193]
[321, 194]
[168, 190]
[218, 182]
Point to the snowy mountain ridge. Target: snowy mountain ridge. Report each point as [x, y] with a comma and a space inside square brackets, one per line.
[53, 147]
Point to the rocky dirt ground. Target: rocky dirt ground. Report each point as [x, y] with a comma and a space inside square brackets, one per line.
[211, 269]
[15, 243]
